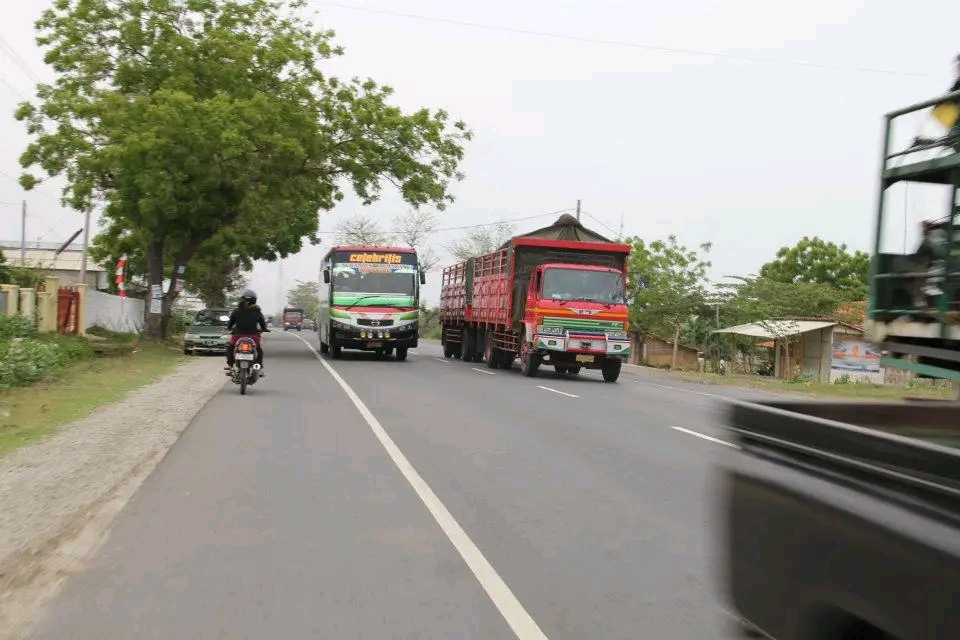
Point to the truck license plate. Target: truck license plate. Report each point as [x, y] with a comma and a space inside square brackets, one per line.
[374, 345]
[584, 358]
[243, 356]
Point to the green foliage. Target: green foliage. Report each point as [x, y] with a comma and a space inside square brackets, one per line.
[756, 299]
[26, 277]
[677, 287]
[28, 358]
[209, 122]
[430, 322]
[17, 326]
[816, 261]
[306, 296]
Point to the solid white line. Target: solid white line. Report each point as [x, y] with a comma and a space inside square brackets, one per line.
[520, 621]
[663, 386]
[563, 393]
[706, 437]
[489, 373]
[442, 360]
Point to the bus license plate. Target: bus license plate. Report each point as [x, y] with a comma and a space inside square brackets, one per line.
[373, 345]
[584, 358]
[243, 356]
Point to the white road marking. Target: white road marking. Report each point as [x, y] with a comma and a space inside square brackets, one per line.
[442, 360]
[706, 437]
[520, 621]
[489, 373]
[563, 393]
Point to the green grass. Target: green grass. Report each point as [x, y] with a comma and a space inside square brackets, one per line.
[853, 390]
[30, 413]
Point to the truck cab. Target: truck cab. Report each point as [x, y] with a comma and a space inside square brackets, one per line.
[576, 316]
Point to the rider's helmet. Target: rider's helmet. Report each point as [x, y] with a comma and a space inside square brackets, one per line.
[249, 297]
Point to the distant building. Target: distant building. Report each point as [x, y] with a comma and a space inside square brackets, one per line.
[66, 266]
[656, 351]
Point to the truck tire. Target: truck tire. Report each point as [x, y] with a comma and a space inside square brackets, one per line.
[469, 345]
[447, 350]
[611, 370]
[530, 364]
[491, 354]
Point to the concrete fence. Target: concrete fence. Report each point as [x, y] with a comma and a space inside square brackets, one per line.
[113, 312]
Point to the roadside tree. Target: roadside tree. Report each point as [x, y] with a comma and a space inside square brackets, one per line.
[186, 119]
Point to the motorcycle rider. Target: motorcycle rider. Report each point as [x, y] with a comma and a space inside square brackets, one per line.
[246, 320]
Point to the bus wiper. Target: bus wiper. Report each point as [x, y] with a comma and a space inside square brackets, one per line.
[355, 302]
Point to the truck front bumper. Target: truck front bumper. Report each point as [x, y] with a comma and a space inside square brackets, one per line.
[578, 349]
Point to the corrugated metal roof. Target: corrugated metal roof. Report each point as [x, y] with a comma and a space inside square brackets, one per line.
[777, 328]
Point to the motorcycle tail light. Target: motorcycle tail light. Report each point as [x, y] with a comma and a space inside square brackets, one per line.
[245, 346]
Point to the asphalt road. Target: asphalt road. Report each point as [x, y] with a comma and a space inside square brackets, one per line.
[418, 499]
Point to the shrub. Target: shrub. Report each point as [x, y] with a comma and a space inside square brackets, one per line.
[24, 360]
[17, 326]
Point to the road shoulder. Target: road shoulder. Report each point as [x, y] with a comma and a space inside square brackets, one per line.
[59, 496]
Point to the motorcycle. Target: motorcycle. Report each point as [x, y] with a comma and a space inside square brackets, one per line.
[246, 370]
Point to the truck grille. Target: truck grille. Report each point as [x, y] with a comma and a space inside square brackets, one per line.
[366, 322]
[586, 325]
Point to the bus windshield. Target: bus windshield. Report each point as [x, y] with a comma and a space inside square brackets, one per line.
[370, 286]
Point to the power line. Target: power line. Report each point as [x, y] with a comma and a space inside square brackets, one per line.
[467, 226]
[622, 43]
[17, 60]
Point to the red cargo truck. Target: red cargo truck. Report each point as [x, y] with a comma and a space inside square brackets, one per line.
[553, 297]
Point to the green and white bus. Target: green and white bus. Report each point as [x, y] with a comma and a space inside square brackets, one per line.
[370, 300]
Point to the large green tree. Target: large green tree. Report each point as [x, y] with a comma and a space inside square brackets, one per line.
[816, 261]
[188, 119]
[675, 279]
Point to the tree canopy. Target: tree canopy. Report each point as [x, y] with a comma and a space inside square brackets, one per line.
[676, 286]
[481, 240]
[306, 296]
[412, 229]
[816, 261]
[203, 122]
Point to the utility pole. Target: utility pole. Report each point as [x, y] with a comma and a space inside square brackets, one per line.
[83, 252]
[578, 211]
[23, 234]
[621, 227]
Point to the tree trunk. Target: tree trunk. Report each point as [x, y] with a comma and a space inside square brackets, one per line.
[676, 346]
[154, 326]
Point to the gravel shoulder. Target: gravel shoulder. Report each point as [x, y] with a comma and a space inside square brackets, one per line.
[58, 497]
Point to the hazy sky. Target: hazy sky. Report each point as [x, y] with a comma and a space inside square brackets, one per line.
[747, 155]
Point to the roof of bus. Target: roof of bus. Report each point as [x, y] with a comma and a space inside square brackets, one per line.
[370, 248]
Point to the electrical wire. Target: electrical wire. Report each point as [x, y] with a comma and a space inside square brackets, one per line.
[627, 44]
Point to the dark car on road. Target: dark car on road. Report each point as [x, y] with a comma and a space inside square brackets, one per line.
[208, 332]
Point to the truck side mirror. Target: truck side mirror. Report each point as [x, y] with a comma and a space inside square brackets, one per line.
[423, 278]
[326, 276]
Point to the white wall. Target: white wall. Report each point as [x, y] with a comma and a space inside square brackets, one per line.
[113, 312]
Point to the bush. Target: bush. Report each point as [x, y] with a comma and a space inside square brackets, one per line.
[17, 327]
[24, 360]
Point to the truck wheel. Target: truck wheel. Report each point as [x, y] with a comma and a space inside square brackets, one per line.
[447, 350]
[491, 354]
[611, 370]
[380, 354]
[529, 361]
[324, 347]
[401, 354]
[467, 345]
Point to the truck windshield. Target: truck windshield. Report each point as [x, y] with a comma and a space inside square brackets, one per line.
[576, 284]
